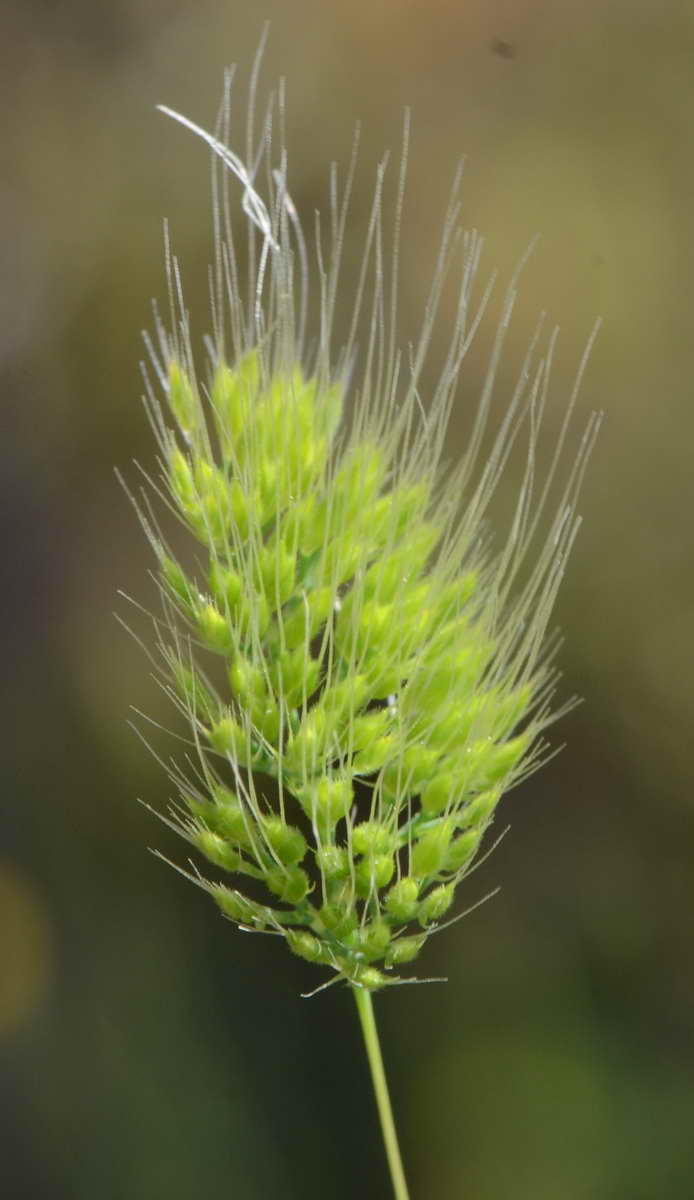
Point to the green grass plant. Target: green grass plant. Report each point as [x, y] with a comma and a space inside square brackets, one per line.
[362, 671]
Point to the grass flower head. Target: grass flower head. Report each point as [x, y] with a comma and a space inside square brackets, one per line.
[363, 671]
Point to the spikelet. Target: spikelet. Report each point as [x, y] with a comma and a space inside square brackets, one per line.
[382, 674]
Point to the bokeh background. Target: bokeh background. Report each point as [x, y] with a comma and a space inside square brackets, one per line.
[148, 1050]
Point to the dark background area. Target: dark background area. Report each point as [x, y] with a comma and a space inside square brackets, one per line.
[146, 1048]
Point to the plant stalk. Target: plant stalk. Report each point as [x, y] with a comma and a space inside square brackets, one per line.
[378, 1077]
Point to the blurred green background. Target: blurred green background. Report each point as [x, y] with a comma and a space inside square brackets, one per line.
[147, 1049]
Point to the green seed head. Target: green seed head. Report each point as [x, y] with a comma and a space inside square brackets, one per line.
[436, 904]
[378, 670]
[401, 900]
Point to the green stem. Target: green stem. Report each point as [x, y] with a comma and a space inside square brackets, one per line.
[378, 1076]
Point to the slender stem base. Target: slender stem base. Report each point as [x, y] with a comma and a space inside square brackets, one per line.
[378, 1076]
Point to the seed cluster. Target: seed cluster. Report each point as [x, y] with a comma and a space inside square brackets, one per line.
[368, 722]
[362, 671]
